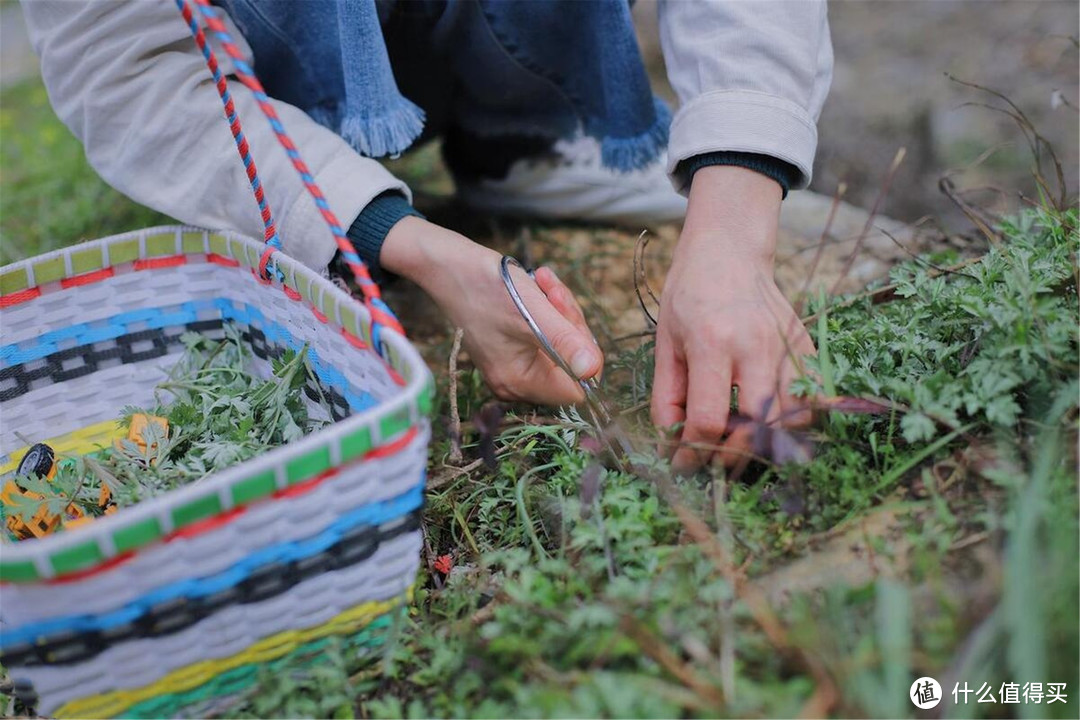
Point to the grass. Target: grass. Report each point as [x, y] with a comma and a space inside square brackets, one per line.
[932, 532]
[51, 196]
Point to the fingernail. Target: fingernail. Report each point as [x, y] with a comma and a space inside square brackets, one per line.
[582, 362]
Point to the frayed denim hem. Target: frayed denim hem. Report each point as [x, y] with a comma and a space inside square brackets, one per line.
[389, 134]
[633, 153]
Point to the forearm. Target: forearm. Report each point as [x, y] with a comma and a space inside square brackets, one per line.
[128, 80]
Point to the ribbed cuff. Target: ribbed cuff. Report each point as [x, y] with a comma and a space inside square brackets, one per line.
[369, 230]
[782, 172]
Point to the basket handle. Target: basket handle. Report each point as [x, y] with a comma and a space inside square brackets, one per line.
[381, 315]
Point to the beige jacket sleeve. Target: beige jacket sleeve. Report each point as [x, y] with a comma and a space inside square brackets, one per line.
[751, 76]
[128, 80]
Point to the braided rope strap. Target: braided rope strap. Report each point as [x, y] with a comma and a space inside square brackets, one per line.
[381, 315]
[269, 232]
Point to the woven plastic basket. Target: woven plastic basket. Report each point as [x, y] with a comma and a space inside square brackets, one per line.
[181, 599]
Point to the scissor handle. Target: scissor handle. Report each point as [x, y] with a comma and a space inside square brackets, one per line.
[601, 415]
[602, 419]
[541, 336]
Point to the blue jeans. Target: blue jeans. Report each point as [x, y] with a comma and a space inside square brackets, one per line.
[531, 70]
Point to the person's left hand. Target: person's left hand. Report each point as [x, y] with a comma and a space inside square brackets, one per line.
[724, 322]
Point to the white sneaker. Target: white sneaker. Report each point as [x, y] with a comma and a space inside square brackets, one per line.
[570, 183]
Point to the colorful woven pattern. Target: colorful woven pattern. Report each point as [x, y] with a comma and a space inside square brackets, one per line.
[182, 598]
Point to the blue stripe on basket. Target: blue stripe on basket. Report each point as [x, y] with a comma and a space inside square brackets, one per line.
[153, 318]
[373, 514]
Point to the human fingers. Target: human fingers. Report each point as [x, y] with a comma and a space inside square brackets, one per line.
[668, 405]
[561, 296]
[757, 401]
[561, 319]
[708, 405]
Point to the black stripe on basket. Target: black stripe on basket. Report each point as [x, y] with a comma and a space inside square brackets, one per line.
[174, 615]
[75, 362]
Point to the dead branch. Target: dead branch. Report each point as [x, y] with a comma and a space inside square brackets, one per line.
[870, 218]
[455, 419]
[640, 279]
[667, 659]
[820, 251]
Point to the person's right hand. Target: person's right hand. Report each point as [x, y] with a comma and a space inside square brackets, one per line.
[464, 280]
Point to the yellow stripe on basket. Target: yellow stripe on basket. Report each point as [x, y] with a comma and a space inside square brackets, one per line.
[78, 442]
[191, 676]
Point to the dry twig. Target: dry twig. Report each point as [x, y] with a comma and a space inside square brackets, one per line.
[640, 278]
[455, 419]
[870, 218]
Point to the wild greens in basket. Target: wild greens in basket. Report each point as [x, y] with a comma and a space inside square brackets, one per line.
[211, 412]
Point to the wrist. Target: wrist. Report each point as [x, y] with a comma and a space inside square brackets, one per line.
[427, 254]
[369, 230]
[733, 212]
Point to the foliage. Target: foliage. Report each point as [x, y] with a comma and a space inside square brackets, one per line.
[972, 345]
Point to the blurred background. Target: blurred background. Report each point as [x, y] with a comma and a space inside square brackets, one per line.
[890, 90]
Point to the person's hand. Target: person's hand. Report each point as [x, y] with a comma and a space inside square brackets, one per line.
[724, 322]
[464, 280]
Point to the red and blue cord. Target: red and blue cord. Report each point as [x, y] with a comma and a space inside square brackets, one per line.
[381, 315]
[269, 232]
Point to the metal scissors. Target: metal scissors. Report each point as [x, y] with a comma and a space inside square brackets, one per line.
[600, 416]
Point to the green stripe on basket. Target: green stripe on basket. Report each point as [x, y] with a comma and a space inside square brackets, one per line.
[84, 261]
[350, 321]
[76, 558]
[193, 243]
[396, 422]
[307, 466]
[426, 400]
[371, 637]
[199, 509]
[21, 571]
[50, 270]
[219, 245]
[13, 280]
[161, 245]
[251, 257]
[124, 251]
[253, 488]
[356, 444]
[137, 534]
[323, 304]
[289, 276]
[303, 286]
